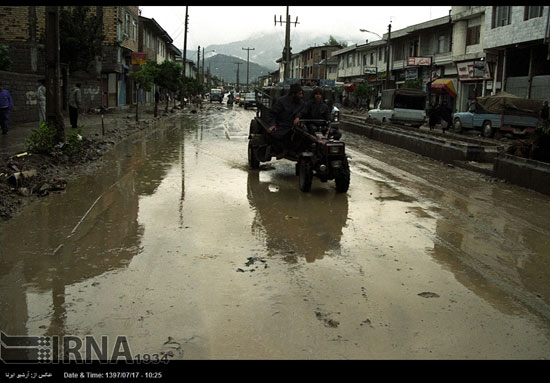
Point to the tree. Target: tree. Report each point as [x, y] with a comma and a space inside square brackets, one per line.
[81, 37]
[363, 91]
[333, 41]
[170, 77]
[145, 77]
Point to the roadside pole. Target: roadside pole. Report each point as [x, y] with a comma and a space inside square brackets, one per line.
[54, 115]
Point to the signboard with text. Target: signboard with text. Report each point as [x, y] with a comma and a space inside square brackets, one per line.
[475, 70]
[371, 70]
[419, 61]
[138, 58]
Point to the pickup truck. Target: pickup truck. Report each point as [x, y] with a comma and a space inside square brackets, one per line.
[402, 106]
[503, 112]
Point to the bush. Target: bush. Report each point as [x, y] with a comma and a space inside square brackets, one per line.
[74, 144]
[42, 140]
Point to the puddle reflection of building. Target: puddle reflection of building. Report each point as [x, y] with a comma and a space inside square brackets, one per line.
[41, 257]
[296, 224]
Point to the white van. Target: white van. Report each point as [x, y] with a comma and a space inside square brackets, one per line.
[401, 106]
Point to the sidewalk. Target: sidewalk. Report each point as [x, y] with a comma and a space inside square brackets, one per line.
[14, 142]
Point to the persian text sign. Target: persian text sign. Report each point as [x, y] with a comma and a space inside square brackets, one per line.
[413, 61]
[138, 59]
[473, 71]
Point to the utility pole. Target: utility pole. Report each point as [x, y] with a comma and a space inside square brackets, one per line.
[53, 71]
[202, 78]
[388, 57]
[247, 63]
[199, 61]
[184, 53]
[287, 49]
[237, 75]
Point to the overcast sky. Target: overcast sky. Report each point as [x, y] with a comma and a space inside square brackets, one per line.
[210, 25]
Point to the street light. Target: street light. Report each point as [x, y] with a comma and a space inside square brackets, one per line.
[387, 52]
[374, 33]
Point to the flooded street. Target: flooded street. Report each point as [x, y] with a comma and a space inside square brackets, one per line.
[175, 244]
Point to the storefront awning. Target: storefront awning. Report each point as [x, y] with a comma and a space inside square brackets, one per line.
[445, 84]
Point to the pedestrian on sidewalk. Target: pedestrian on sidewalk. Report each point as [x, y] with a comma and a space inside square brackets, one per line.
[6, 104]
[433, 115]
[41, 98]
[446, 116]
[75, 99]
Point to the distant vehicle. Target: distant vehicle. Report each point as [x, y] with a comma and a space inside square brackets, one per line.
[249, 100]
[216, 95]
[401, 106]
[241, 98]
[502, 112]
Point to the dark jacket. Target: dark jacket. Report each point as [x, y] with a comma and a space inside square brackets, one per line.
[283, 113]
[445, 113]
[315, 111]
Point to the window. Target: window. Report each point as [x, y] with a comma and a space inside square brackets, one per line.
[134, 29]
[365, 60]
[413, 48]
[127, 25]
[472, 35]
[532, 11]
[372, 58]
[501, 16]
[442, 44]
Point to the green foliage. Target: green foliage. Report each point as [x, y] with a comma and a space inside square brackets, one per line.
[193, 86]
[333, 41]
[413, 84]
[5, 59]
[545, 127]
[147, 75]
[80, 38]
[363, 91]
[42, 139]
[170, 76]
[74, 145]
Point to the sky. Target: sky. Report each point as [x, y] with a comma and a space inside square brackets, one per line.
[209, 25]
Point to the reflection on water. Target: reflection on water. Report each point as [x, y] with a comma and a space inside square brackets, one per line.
[294, 223]
[90, 229]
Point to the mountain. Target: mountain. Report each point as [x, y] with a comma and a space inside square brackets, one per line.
[268, 48]
[224, 67]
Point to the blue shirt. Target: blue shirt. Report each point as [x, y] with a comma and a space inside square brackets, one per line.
[5, 99]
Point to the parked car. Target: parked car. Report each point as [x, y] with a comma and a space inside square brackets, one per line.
[249, 100]
[502, 112]
[402, 106]
[216, 95]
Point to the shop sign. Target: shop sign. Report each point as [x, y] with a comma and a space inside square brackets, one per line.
[371, 70]
[411, 73]
[419, 61]
[476, 70]
[138, 58]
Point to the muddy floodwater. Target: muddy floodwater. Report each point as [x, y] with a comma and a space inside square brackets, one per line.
[174, 243]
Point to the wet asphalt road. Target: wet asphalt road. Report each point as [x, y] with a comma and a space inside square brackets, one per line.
[175, 244]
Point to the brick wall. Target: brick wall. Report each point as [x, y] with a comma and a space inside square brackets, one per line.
[22, 88]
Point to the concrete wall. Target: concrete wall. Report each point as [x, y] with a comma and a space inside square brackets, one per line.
[22, 88]
[518, 31]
